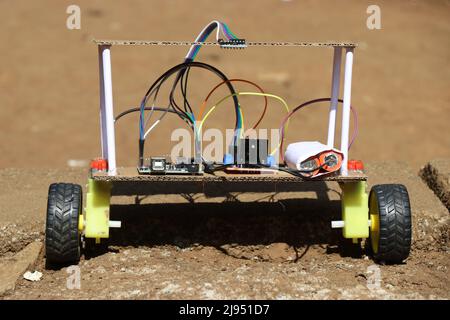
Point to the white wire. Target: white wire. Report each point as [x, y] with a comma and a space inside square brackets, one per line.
[221, 29]
[151, 128]
[149, 116]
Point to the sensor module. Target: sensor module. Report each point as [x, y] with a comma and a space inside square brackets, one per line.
[233, 44]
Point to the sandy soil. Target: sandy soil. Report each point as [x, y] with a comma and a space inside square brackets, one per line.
[253, 245]
[49, 75]
[436, 174]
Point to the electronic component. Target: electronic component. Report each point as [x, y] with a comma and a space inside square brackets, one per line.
[244, 153]
[251, 152]
[238, 170]
[233, 44]
[310, 167]
[312, 158]
[331, 161]
[186, 168]
[99, 165]
[355, 165]
[249, 156]
[159, 165]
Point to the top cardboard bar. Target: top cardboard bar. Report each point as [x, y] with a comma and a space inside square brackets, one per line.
[249, 44]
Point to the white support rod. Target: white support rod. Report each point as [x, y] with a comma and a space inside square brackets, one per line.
[346, 108]
[336, 79]
[106, 109]
[103, 141]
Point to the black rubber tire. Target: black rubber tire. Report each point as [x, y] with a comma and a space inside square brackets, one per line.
[395, 233]
[62, 237]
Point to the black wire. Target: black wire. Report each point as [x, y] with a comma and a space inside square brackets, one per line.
[172, 101]
[180, 68]
[210, 168]
[183, 87]
[185, 90]
[155, 91]
[298, 173]
[131, 110]
[154, 88]
[181, 79]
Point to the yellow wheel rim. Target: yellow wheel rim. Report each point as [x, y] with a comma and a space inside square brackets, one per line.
[80, 223]
[375, 223]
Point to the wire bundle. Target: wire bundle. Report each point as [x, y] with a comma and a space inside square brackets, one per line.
[182, 73]
[185, 112]
[204, 34]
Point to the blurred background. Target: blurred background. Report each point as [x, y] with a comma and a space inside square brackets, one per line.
[49, 91]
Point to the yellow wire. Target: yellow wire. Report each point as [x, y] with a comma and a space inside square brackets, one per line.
[206, 116]
[211, 110]
[242, 117]
[248, 94]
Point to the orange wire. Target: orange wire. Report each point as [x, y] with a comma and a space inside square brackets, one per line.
[203, 106]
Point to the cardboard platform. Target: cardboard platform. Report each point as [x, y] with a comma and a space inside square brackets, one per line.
[131, 174]
[129, 182]
[346, 44]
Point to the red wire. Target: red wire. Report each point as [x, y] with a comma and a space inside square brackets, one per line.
[283, 122]
[202, 108]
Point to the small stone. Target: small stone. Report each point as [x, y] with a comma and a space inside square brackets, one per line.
[32, 276]
[389, 286]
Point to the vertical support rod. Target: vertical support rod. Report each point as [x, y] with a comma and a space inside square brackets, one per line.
[346, 108]
[106, 109]
[336, 79]
[103, 141]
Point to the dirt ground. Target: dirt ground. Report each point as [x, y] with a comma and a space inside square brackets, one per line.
[436, 174]
[237, 245]
[275, 245]
[49, 75]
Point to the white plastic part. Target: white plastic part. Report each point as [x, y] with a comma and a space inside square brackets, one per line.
[336, 79]
[106, 109]
[298, 152]
[115, 224]
[340, 224]
[337, 224]
[346, 108]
